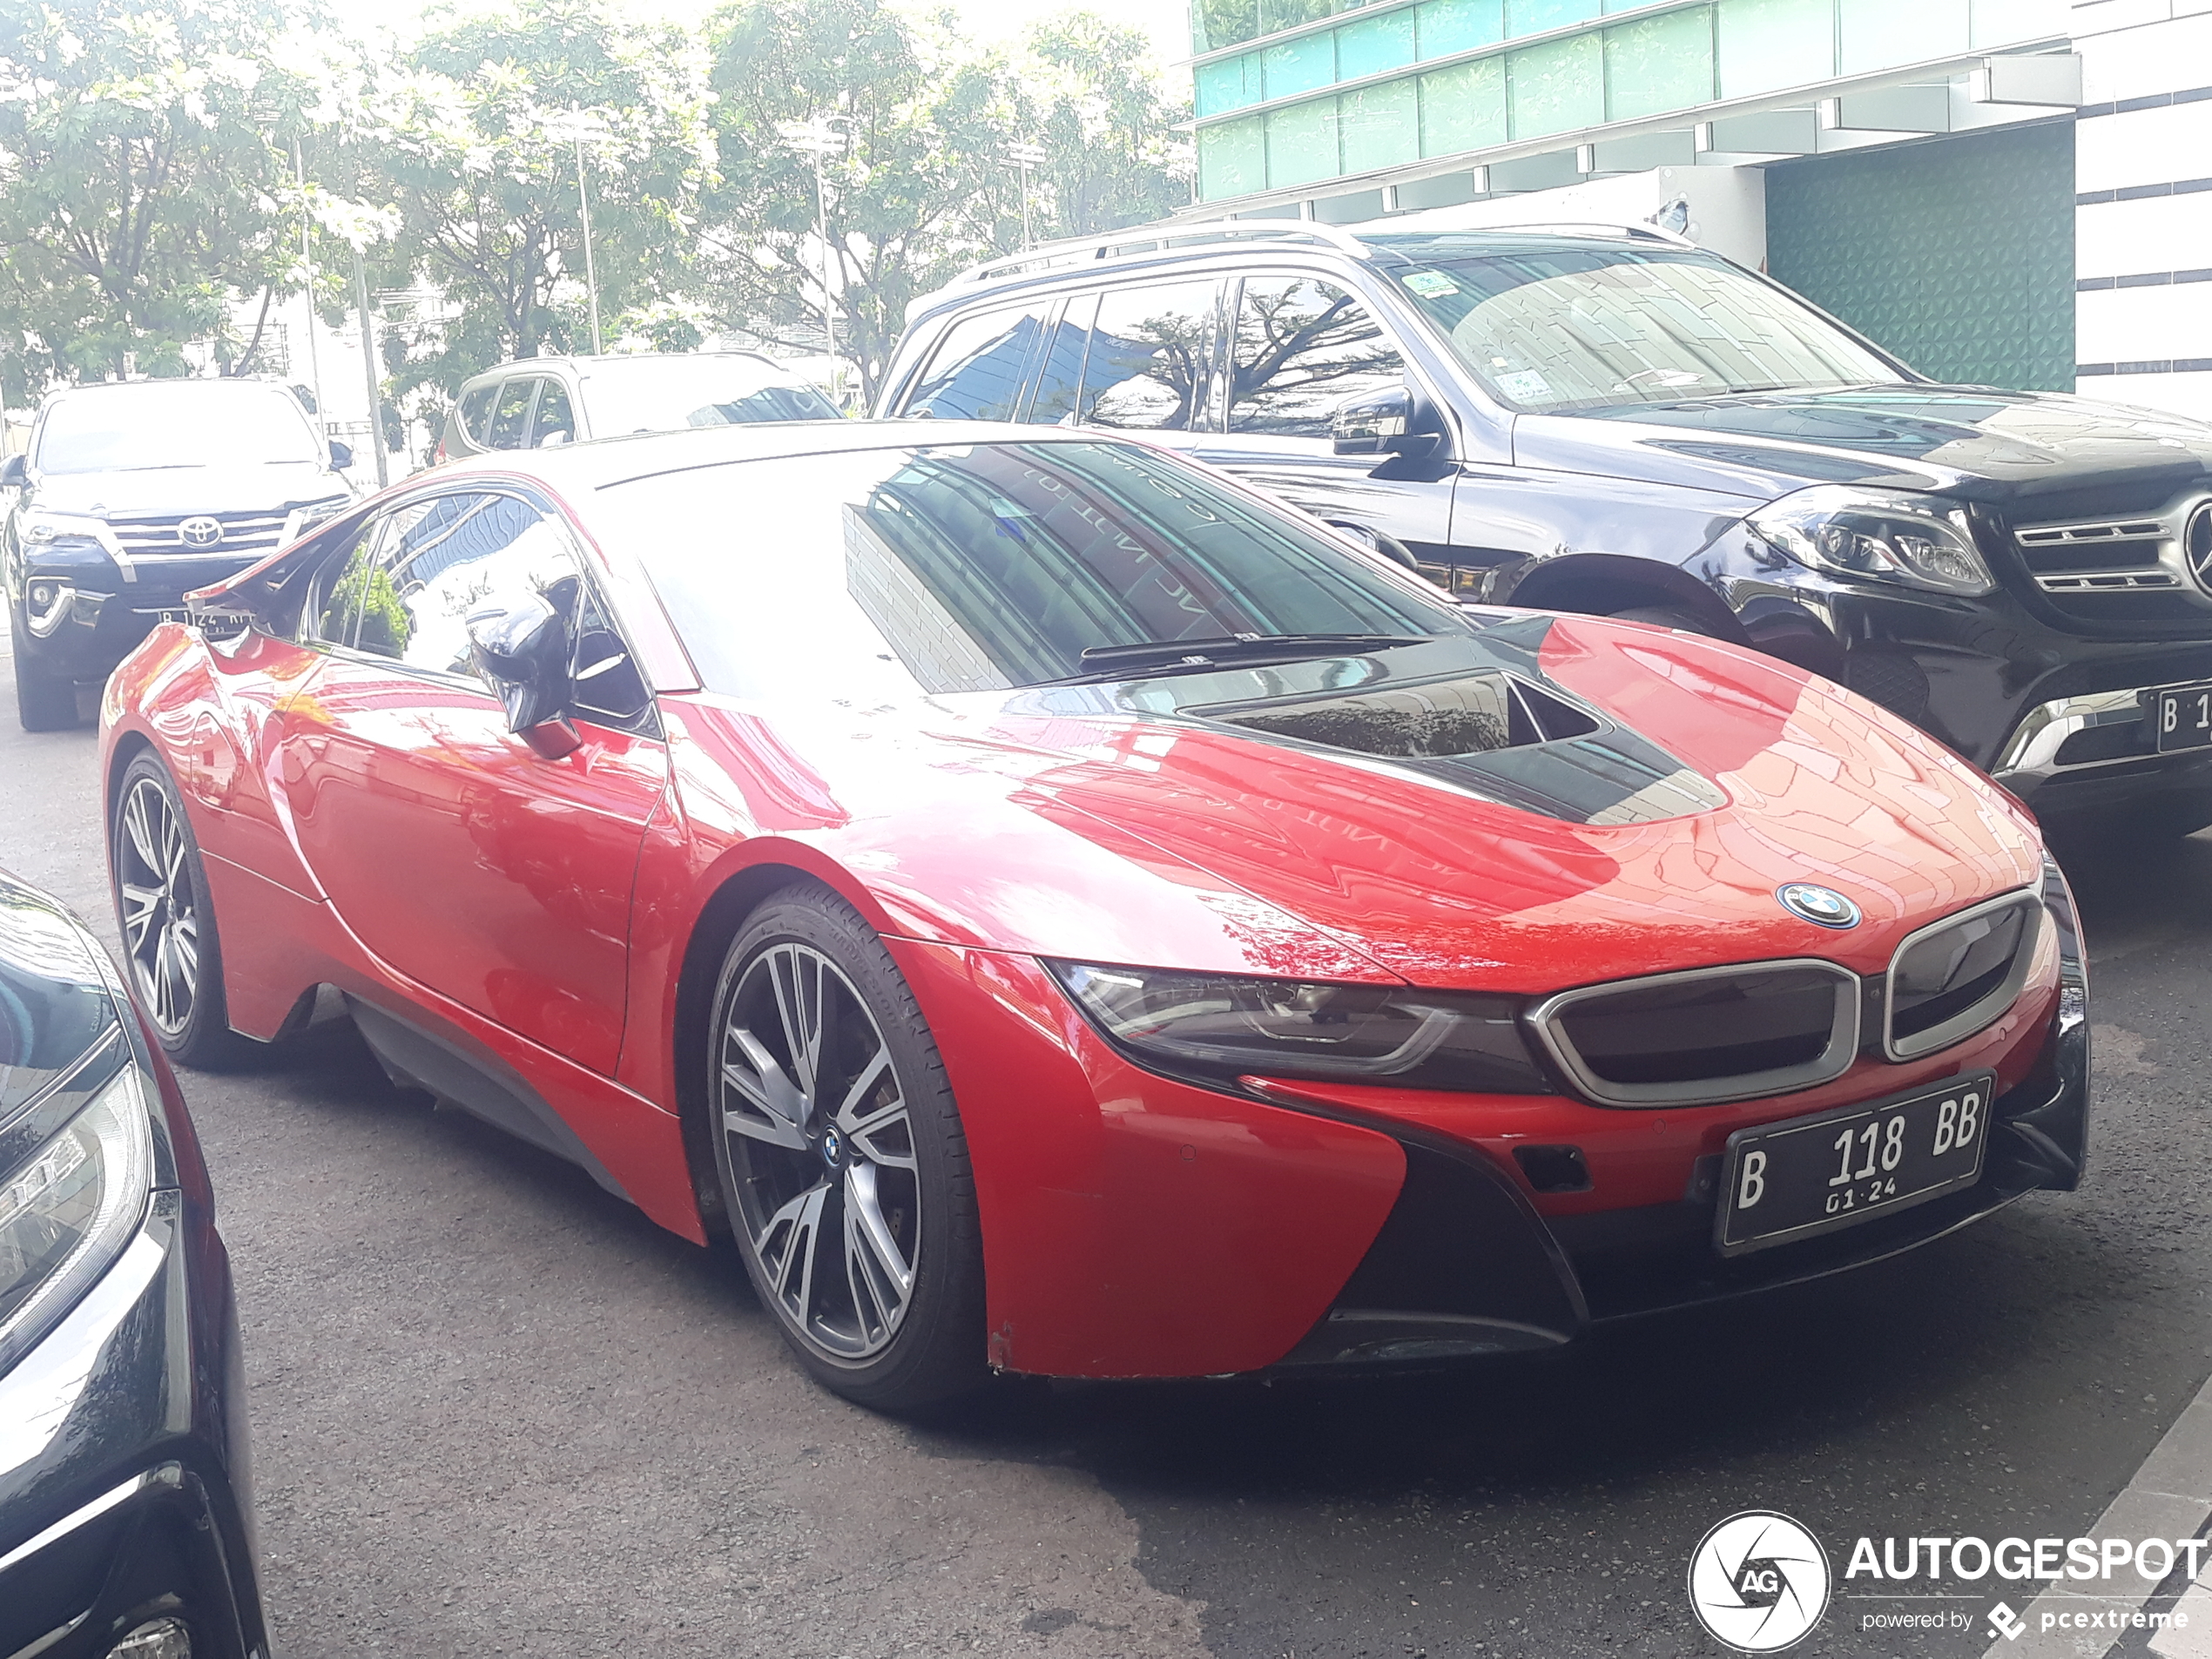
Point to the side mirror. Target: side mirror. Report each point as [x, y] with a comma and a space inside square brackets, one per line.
[1392, 422]
[341, 455]
[15, 473]
[523, 651]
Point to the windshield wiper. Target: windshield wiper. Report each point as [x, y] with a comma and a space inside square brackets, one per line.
[1224, 651]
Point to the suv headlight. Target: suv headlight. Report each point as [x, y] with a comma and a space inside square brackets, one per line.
[40, 528]
[1917, 541]
[68, 1211]
[1216, 1028]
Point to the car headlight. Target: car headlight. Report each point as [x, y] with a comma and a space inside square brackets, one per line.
[70, 1209]
[39, 528]
[1217, 1028]
[1918, 540]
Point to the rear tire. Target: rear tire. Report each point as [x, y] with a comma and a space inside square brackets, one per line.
[841, 1160]
[170, 951]
[44, 702]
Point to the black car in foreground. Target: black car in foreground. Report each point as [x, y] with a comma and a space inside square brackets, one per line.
[1618, 423]
[132, 495]
[126, 1529]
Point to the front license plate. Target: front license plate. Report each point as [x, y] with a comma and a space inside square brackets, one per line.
[1789, 1181]
[2182, 716]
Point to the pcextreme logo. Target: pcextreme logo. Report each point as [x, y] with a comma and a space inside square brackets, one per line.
[1759, 1581]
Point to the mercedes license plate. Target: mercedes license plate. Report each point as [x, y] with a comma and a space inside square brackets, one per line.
[2181, 717]
[1815, 1174]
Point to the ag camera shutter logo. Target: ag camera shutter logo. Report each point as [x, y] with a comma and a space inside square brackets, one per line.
[1759, 1581]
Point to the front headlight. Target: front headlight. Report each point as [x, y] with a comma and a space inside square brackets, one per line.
[1918, 540]
[38, 529]
[1217, 1028]
[68, 1211]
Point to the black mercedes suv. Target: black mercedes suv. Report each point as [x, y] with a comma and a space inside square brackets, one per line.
[1614, 421]
[133, 494]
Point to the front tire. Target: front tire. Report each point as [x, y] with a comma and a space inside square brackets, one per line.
[842, 1164]
[44, 701]
[168, 921]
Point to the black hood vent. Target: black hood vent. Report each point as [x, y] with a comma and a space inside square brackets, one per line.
[1475, 714]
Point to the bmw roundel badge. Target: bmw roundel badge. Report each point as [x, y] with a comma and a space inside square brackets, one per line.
[1822, 906]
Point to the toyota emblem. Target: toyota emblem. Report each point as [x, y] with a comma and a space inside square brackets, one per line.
[201, 532]
[1823, 907]
[2196, 545]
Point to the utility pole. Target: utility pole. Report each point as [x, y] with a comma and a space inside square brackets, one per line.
[590, 269]
[368, 372]
[1026, 157]
[817, 139]
[308, 262]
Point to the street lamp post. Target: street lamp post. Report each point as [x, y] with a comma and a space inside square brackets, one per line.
[581, 127]
[1026, 157]
[819, 139]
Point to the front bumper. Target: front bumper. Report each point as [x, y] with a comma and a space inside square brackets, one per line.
[123, 1483]
[1135, 1226]
[88, 618]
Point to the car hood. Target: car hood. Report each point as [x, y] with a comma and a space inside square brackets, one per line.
[55, 1003]
[261, 487]
[1618, 799]
[1972, 443]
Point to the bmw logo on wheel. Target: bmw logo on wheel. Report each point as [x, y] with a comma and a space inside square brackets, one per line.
[200, 532]
[1823, 907]
[1759, 1581]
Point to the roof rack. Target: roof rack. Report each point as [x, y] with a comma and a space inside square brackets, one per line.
[1650, 232]
[1121, 244]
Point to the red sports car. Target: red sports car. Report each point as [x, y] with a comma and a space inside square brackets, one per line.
[1065, 914]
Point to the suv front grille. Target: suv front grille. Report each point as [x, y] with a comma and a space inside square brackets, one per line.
[242, 532]
[1953, 977]
[2152, 567]
[1707, 1036]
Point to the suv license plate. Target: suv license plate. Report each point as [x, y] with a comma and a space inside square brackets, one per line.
[1794, 1180]
[2182, 717]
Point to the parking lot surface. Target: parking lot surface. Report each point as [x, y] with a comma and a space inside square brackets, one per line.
[496, 1411]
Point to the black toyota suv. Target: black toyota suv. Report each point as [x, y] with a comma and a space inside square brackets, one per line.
[133, 494]
[1613, 420]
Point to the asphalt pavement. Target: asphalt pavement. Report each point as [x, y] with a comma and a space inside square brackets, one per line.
[497, 1412]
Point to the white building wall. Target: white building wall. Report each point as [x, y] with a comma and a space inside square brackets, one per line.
[2143, 222]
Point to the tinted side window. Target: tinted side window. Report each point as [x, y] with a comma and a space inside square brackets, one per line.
[1149, 358]
[1304, 347]
[977, 371]
[333, 612]
[1059, 377]
[476, 413]
[554, 424]
[608, 685]
[511, 418]
[443, 558]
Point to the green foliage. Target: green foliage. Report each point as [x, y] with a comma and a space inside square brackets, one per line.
[144, 176]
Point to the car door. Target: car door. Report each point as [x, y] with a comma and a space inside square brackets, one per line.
[458, 856]
[1300, 348]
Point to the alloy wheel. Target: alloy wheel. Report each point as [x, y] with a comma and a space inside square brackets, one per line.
[821, 1151]
[160, 909]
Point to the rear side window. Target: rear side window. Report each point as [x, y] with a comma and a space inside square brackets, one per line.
[476, 414]
[1301, 349]
[1060, 378]
[977, 371]
[555, 422]
[1148, 365]
[510, 416]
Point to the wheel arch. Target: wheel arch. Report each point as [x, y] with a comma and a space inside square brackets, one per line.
[739, 894]
[1602, 584]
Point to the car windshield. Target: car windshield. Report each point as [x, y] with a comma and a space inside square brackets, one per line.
[1554, 328]
[667, 394]
[865, 576]
[175, 423]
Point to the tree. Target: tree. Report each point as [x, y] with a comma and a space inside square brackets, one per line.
[144, 180]
[1098, 109]
[471, 138]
